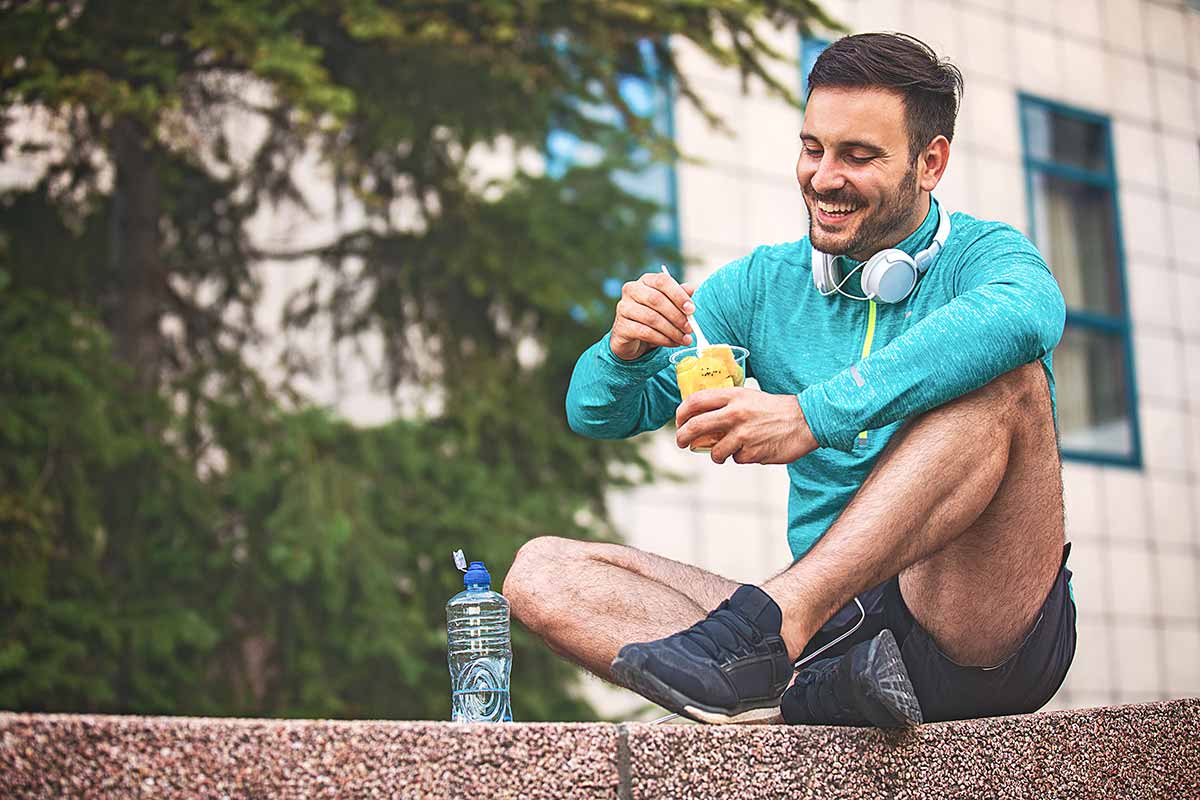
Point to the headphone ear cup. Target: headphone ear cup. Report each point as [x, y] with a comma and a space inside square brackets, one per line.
[889, 276]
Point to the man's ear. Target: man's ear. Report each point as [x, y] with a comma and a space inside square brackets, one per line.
[931, 164]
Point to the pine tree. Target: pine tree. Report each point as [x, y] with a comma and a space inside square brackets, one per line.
[181, 532]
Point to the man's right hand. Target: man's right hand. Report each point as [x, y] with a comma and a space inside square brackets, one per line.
[652, 312]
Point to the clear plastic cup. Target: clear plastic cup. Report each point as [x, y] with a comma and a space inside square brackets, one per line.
[719, 366]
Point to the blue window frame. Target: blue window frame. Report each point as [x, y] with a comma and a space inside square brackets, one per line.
[1074, 218]
[650, 98]
[810, 48]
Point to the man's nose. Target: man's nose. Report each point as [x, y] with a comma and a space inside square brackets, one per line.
[828, 176]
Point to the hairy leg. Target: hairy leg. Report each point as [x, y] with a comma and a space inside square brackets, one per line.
[589, 599]
[965, 504]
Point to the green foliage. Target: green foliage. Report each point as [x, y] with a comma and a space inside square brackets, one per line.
[181, 532]
[307, 579]
[342, 540]
[104, 530]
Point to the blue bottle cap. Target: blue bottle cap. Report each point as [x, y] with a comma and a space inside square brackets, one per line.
[477, 574]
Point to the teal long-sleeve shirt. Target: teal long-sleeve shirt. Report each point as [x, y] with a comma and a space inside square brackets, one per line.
[987, 305]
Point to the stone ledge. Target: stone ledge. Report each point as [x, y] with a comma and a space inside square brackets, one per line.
[1150, 751]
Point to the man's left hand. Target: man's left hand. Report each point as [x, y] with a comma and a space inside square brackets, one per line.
[755, 427]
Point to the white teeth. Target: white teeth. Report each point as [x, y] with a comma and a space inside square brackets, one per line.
[835, 208]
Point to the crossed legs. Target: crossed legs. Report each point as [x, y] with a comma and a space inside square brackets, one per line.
[589, 599]
[964, 504]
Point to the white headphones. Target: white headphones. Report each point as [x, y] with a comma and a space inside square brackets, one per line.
[889, 276]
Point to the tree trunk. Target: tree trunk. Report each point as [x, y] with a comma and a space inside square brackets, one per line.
[136, 306]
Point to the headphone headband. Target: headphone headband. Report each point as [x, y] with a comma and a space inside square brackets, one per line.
[926, 257]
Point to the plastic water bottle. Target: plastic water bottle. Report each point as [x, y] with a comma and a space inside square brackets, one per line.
[479, 648]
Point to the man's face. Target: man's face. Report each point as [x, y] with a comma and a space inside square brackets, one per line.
[859, 183]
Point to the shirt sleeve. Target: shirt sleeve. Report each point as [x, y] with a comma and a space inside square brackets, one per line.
[1007, 310]
[610, 398]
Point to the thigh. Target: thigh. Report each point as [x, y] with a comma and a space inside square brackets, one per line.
[979, 596]
[587, 600]
[706, 589]
[1022, 683]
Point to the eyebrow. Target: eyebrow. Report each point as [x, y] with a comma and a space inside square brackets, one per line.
[853, 144]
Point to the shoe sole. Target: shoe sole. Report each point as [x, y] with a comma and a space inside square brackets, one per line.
[885, 683]
[653, 689]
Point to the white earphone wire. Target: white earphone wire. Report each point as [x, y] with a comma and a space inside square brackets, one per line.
[838, 289]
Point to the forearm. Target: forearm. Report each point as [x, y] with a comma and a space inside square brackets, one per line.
[961, 346]
[611, 399]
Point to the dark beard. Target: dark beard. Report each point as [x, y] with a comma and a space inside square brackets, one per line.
[885, 227]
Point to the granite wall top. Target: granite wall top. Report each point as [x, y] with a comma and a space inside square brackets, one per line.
[1150, 751]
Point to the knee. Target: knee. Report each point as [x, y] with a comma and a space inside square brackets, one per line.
[1014, 401]
[1014, 398]
[529, 582]
[1025, 387]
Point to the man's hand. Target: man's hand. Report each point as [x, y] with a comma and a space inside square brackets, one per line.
[652, 313]
[755, 427]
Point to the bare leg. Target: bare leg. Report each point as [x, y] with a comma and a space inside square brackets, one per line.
[589, 599]
[965, 504]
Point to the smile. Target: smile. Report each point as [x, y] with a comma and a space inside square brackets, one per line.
[833, 212]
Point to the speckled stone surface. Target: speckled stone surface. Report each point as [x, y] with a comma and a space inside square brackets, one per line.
[52, 756]
[1136, 751]
[1150, 751]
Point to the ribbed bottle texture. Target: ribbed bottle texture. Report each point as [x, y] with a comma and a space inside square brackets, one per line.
[479, 650]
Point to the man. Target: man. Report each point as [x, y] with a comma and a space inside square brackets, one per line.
[919, 435]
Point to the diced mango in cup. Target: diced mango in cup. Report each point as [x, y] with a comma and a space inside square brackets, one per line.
[715, 368]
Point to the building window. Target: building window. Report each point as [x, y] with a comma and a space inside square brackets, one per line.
[810, 48]
[650, 98]
[1074, 219]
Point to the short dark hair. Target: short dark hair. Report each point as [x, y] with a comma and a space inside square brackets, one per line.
[930, 86]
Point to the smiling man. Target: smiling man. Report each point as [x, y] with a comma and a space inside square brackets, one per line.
[903, 359]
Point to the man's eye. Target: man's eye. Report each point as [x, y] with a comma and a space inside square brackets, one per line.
[860, 160]
[811, 151]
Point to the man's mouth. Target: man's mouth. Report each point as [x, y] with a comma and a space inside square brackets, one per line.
[834, 212]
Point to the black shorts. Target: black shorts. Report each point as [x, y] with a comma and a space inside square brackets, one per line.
[1024, 682]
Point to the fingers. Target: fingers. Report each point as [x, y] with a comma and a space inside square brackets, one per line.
[679, 296]
[653, 310]
[661, 293]
[648, 317]
[626, 329]
[730, 445]
[703, 401]
[715, 421]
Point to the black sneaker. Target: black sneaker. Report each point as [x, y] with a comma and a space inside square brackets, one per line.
[730, 667]
[867, 686]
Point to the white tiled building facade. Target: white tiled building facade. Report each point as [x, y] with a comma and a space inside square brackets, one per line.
[1131, 67]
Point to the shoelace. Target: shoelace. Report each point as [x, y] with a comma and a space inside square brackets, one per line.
[742, 630]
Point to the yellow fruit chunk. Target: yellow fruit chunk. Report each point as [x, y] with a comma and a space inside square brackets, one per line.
[723, 354]
[715, 368]
[687, 382]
